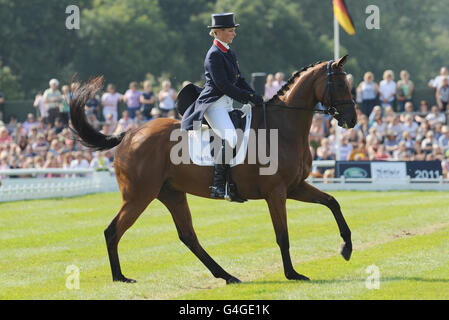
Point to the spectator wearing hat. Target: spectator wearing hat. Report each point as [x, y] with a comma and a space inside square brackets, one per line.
[155, 113]
[52, 101]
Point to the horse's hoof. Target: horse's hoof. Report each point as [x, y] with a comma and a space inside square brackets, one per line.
[296, 276]
[125, 280]
[233, 280]
[346, 251]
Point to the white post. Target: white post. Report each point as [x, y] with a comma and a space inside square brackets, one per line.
[336, 56]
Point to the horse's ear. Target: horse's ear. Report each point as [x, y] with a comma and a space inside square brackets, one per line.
[341, 62]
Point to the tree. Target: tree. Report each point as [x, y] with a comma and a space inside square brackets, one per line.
[274, 36]
[34, 41]
[9, 85]
[122, 40]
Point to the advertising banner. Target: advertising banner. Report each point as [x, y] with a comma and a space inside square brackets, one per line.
[391, 170]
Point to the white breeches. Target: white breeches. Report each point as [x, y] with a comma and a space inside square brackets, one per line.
[218, 118]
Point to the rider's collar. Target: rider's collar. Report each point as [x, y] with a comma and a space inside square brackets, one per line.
[222, 45]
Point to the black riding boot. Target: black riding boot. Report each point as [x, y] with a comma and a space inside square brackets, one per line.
[218, 188]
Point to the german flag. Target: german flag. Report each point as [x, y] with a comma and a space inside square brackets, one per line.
[343, 17]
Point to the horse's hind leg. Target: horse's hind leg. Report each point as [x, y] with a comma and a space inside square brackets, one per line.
[127, 215]
[307, 193]
[176, 203]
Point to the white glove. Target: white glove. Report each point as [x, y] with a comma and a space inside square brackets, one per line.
[245, 109]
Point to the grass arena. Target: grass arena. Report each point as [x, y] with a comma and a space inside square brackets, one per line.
[400, 244]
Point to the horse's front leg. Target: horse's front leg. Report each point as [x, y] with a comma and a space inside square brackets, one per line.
[307, 193]
[278, 212]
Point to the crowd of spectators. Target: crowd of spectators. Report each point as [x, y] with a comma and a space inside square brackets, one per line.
[389, 126]
[44, 139]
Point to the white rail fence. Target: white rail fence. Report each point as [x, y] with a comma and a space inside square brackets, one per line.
[75, 182]
[63, 183]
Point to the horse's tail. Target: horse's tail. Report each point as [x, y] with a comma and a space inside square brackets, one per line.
[80, 126]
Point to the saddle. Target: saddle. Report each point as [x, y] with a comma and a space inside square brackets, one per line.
[185, 98]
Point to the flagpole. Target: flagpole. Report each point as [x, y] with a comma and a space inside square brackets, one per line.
[336, 56]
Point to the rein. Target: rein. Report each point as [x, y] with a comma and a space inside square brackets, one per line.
[314, 110]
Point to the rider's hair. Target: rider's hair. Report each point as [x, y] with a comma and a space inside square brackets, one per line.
[213, 32]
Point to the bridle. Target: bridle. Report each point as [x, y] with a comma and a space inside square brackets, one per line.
[331, 108]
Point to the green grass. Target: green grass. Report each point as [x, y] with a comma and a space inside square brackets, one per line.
[404, 234]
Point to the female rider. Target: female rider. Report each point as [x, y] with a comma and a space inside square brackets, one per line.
[224, 84]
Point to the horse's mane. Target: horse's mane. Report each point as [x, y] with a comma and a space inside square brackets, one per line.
[291, 80]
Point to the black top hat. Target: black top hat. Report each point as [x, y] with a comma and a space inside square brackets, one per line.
[223, 20]
[186, 97]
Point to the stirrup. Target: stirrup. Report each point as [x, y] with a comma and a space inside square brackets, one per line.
[226, 195]
[216, 193]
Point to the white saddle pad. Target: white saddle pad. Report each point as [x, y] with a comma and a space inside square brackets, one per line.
[200, 150]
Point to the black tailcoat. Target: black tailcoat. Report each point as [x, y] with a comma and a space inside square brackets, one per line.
[222, 78]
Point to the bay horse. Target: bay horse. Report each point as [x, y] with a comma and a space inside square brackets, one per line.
[144, 171]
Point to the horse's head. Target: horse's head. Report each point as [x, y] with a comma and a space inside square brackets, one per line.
[332, 90]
